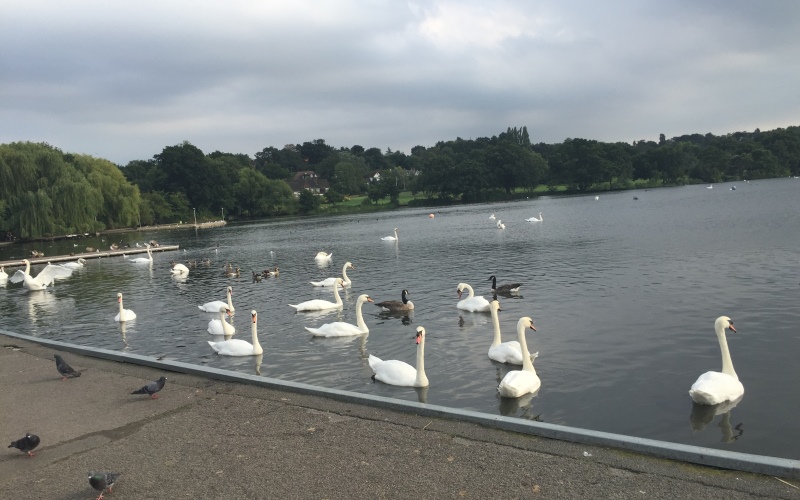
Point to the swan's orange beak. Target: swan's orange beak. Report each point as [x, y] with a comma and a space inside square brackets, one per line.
[419, 337]
[119, 299]
[369, 299]
[730, 325]
[254, 318]
[533, 327]
[459, 293]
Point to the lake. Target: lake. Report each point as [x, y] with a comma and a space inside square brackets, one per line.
[623, 293]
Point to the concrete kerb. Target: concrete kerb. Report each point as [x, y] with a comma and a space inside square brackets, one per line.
[759, 464]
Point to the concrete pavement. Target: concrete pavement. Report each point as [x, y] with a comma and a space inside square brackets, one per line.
[210, 439]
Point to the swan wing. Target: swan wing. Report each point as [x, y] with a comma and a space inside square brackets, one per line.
[213, 306]
[315, 305]
[712, 388]
[17, 277]
[233, 347]
[336, 329]
[507, 352]
[395, 372]
[325, 282]
[518, 383]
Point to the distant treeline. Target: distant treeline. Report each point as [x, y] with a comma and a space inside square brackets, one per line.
[44, 191]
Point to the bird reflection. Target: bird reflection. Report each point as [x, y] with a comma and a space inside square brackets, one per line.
[180, 278]
[702, 415]
[422, 394]
[123, 328]
[258, 360]
[521, 405]
[406, 317]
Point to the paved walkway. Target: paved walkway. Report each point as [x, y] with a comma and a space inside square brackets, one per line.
[209, 439]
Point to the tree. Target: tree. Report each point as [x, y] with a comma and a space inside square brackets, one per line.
[308, 202]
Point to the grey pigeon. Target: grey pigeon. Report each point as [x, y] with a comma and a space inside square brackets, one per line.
[102, 481]
[26, 444]
[64, 369]
[152, 388]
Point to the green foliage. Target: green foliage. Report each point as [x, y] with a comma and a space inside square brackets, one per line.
[308, 202]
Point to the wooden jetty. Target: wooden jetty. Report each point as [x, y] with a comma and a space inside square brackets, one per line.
[88, 255]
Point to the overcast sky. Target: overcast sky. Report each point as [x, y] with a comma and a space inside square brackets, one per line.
[123, 79]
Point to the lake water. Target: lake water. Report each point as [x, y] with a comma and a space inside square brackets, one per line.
[623, 292]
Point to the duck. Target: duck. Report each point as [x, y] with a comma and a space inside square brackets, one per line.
[491, 217]
[504, 289]
[214, 305]
[256, 277]
[394, 372]
[713, 388]
[238, 347]
[123, 314]
[332, 281]
[267, 273]
[319, 304]
[45, 278]
[500, 224]
[397, 305]
[75, 264]
[391, 238]
[472, 303]
[534, 219]
[143, 260]
[503, 352]
[342, 329]
[517, 383]
[220, 326]
[179, 269]
[230, 273]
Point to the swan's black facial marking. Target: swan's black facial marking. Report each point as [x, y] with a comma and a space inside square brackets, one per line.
[730, 326]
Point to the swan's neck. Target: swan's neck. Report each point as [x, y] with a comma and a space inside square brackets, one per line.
[230, 301]
[471, 292]
[336, 294]
[422, 379]
[344, 274]
[496, 323]
[28, 268]
[395, 235]
[256, 346]
[360, 318]
[120, 308]
[526, 355]
[727, 363]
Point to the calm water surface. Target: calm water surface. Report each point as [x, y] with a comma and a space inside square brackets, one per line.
[623, 293]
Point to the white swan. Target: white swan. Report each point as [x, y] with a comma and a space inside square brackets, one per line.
[491, 217]
[42, 280]
[342, 329]
[500, 224]
[517, 383]
[472, 303]
[214, 305]
[220, 326]
[180, 269]
[143, 260]
[534, 219]
[397, 305]
[323, 256]
[394, 372]
[237, 347]
[391, 238]
[319, 304]
[75, 264]
[123, 314]
[332, 281]
[3, 275]
[503, 352]
[712, 388]
[710, 187]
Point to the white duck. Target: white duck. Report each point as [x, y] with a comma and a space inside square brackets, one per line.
[214, 305]
[712, 388]
[319, 304]
[342, 329]
[123, 314]
[78, 264]
[42, 280]
[237, 347]
[500, 224]
[143, 260]
[179, 269]
[332, 281]
[472, 303]
[504, 352]
[220, 326]
[394, 372]
[391, 238]
[534, 219]
[517, 383]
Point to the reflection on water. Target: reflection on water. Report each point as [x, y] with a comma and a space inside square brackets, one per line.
[620, 291]
[702, 415]
[258, 359]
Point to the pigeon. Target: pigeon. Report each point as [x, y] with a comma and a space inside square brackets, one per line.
[152, 388]
[64, 369]
[102, 481]
[26, 444]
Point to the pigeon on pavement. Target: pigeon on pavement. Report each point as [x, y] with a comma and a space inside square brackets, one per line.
[26, 444]
[102, 481]
[64, 369]
[152, 388]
